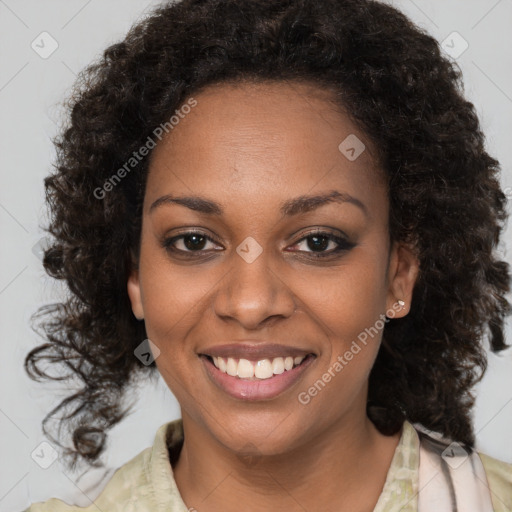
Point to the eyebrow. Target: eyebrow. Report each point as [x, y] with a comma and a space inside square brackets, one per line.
[296, 206]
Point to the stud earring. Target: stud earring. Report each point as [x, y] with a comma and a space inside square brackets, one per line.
[401, 303]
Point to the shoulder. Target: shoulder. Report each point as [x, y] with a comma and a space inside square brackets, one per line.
[131, 487]
[129, 480]
[499, 478]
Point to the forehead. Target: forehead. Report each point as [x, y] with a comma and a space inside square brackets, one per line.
[262, 141]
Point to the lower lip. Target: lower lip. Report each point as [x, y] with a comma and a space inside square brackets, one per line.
[264, 389]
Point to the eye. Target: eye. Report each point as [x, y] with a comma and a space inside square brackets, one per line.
[189, 242]
[318, 243]
[323, 244]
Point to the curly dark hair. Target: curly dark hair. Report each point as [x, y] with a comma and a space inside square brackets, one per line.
[391, 78]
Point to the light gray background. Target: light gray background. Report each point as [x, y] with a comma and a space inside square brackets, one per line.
[30, 91]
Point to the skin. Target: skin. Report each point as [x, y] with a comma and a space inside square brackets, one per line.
[251, 147]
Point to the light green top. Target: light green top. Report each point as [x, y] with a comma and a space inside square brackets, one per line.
[146, 482]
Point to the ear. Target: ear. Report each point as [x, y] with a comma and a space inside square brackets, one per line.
[134, 292]
[402, 274]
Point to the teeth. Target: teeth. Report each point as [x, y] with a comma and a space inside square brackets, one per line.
[278, 365]
[245, 369]
[222, 364]
[231, 367]
[263, 369]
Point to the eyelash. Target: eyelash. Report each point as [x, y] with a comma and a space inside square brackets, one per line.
[343, 244]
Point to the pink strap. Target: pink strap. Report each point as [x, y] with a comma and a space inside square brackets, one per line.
[451, 478]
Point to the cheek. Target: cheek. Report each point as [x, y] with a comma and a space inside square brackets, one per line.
[173, 295]
[352, 296]
[173, 302]
[173, 299]
[347, 306]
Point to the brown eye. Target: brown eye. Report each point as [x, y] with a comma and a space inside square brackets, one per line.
[189, 242]
[318, 243]
[194, 242]
[323, 244]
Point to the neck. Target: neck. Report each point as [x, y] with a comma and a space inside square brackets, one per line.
[344, 468]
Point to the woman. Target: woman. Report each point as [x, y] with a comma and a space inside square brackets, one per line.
[288, 207]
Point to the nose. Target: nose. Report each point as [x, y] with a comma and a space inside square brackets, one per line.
[252, 293]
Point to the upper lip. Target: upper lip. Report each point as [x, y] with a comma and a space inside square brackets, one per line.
[254, 351]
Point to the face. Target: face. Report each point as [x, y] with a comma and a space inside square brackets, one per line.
[264, 239]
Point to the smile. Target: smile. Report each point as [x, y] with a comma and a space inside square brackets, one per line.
[256, 380]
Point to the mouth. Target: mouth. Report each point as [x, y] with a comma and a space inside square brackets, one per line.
[256, 379]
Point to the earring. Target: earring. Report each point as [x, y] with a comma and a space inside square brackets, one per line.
[401, 303]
